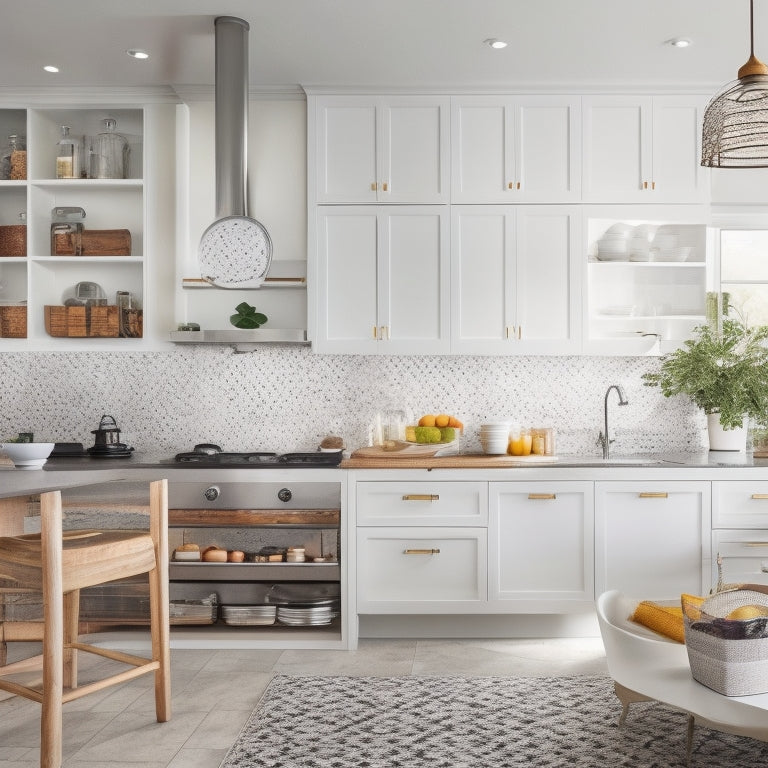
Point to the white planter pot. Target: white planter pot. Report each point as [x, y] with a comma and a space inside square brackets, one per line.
[725, 439]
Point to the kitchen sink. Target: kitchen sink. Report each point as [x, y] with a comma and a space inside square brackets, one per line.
[598, 461]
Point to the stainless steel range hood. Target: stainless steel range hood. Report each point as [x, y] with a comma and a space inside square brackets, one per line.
[231, 138]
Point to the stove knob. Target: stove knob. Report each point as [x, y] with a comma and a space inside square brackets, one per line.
[284, 494]
[211, 493]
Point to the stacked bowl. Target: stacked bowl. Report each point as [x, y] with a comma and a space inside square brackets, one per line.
[494, 437]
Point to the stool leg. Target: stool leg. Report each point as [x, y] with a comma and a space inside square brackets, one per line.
[159, 599]
[53, 636]
[71, 635]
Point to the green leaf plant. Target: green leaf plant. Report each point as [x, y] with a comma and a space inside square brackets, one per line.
[724, 372]
[247, 317]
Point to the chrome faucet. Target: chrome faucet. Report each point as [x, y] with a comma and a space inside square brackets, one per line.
[603, 439]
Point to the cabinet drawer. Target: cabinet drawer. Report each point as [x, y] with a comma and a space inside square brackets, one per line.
[740, 504]
[420, 569]
[422, 503]
[744, 554]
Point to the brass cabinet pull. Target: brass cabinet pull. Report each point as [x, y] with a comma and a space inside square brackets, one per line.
[542, 496]
[510, 185]
[755, 543]
[518, 185]
[421, 497]
[653, 495]
[421, 552]
[374, 186]
[386, 330]
[384, 187]
[375, 333]
[645, 185]
[760, 495]
[653, 185]
[519, 332]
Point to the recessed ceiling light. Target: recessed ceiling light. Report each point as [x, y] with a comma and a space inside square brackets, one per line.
[137, 53]
[679, 42]
[494, 43]
[50, 68]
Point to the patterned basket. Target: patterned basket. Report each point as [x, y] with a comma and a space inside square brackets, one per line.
[13, 240]
[729, 655]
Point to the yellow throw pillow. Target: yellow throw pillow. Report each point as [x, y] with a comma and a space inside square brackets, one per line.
[667, 620]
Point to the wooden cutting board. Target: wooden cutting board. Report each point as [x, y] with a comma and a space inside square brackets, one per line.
[404, 460]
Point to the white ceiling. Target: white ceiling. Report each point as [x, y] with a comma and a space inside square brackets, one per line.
[413, 43]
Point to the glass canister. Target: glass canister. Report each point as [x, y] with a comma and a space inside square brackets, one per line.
[13, 159]
[542, 441]
[109, 153]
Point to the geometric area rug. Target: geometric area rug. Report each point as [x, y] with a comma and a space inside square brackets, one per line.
[459, 722]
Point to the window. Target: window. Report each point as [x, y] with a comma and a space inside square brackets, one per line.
[744, 272]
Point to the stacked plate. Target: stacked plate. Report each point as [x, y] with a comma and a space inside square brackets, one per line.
[613, 246]
[494, 437]
[249, 615]
[678, 253]
[307, 615]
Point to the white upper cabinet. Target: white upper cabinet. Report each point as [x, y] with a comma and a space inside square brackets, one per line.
[382, 280]
[390, 149]
[515, 149]
[643, 149]
[516, 277]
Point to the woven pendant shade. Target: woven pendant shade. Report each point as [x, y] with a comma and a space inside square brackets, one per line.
[735, 131]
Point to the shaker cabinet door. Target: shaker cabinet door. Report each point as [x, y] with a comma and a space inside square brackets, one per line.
[347, 282]
[652, 539]
[540, 541]
[347, 169]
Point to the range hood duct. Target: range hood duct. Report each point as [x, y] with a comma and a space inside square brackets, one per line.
[236, 250]
[231, 116]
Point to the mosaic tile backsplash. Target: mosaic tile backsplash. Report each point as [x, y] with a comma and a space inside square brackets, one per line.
[287, 398]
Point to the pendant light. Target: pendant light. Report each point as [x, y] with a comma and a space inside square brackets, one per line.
[735, 131]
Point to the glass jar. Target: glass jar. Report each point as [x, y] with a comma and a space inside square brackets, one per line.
[520, 441]
[109, 153]
[65, 155]
[13, 159]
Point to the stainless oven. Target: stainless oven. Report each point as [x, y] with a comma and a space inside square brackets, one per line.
[289, 535]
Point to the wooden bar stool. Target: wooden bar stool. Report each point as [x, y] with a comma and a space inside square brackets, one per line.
[60, 565]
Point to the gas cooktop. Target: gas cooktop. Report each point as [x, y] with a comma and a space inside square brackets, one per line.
[211, 455]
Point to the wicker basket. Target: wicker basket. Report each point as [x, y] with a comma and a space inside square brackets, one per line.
[13, 322]
[13, 240]
[728, 655]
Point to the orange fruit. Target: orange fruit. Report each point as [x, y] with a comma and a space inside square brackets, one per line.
[428, 420]
[442, 420]
[745, 612]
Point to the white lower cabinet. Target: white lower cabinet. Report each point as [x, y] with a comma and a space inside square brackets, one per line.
[652, 539]
[540, 542]
[420, 570]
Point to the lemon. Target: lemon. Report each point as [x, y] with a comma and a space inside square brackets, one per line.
[744, 612]
[442, 420]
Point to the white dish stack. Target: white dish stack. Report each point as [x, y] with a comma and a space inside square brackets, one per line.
[494, 437]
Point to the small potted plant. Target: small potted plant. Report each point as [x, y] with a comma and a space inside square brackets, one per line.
[724, 372]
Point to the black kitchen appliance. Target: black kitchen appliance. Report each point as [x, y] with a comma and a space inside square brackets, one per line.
[107, 440]
[211, 455]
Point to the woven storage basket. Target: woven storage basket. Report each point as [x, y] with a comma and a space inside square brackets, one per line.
[13, 240]
[13, 322]
[728, 655]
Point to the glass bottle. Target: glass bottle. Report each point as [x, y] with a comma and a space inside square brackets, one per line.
[65, 155]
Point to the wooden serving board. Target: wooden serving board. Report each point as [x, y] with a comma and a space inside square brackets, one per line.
[400, 460]
[401, 450]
